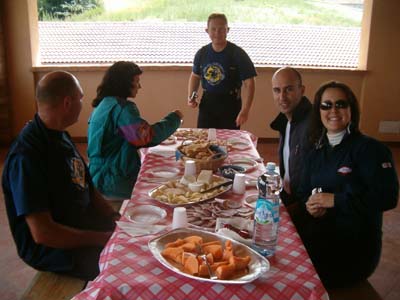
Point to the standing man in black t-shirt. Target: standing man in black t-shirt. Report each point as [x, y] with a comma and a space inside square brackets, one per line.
[59, 222]
[222, 68]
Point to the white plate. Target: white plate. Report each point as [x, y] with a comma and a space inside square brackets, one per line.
[240, 145]
[246, 156]
[258, 264]
[146, 214]
[164, 172]
[246, 163]
[234, 141]
[251, 200]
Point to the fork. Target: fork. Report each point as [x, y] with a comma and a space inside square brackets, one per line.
[203, 256]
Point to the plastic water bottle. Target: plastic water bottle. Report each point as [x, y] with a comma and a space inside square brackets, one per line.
[274, 180]
[266, 216]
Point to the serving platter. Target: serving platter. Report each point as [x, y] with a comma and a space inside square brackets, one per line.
[204, 216]
[174, 193]
[258, 264]
[191, 134]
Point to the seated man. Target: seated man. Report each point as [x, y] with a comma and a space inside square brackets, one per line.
[292, 123]
[58, 221]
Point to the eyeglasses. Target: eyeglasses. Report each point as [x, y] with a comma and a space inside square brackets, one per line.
[340, 104]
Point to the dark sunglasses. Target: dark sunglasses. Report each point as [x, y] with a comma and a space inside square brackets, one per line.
[340, 104]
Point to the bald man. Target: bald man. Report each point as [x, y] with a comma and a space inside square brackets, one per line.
[58, 221]
[292, 124]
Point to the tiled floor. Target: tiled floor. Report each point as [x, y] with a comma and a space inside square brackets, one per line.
[16, 276]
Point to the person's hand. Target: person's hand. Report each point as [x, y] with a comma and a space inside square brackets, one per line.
[192, 103]
[179, 113]
[192, 99]
[315, 211]
[286, 186]
[242, 118]
[318, 203]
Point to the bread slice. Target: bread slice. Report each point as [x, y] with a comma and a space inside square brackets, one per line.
[205, 176]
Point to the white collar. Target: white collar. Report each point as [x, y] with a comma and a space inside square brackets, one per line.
[335, 138]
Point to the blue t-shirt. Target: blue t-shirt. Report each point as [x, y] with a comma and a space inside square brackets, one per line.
[222, 72]
[44, 172]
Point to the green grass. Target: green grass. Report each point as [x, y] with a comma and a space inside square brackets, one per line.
[247, 11]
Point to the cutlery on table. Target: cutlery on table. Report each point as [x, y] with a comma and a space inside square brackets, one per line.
[203, 256]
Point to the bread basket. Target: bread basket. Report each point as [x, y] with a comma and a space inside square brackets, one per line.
[216, 158]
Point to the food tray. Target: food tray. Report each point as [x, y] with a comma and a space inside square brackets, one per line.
[258, 264]
[193, 199]
[191, 134]
[204, 216]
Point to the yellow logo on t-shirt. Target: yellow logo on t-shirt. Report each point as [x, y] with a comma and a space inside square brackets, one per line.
[214, 74]
[78, 172]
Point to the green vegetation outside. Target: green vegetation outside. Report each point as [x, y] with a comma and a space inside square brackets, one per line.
[310, 12]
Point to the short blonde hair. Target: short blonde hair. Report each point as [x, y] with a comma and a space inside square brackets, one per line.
[217, 16]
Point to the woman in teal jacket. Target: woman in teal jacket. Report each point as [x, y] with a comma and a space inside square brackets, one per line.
[117, 131]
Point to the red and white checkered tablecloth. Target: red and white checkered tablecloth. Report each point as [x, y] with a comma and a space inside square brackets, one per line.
[129, 271]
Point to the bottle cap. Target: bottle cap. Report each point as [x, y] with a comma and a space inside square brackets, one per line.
[271, 166]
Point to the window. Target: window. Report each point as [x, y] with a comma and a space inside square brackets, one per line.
[175, 42]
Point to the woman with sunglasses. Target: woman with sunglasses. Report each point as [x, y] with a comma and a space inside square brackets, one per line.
[348, 183]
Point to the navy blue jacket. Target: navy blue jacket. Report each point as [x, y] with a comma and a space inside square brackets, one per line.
[345, 244]
[299, 145]
[43, 171]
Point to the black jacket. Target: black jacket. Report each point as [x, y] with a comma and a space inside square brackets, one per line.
[345, 244]
[298, 143]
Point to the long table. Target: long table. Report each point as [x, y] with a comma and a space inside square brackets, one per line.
[129, 271]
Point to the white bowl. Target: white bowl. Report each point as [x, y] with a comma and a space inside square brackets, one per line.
[195, 186]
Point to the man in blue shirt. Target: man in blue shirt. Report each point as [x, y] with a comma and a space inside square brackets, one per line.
[59, 222]
[221, 67]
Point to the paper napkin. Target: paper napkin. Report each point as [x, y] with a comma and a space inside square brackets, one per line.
[140, 229]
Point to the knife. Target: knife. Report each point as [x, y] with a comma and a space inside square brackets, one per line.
[226, 183]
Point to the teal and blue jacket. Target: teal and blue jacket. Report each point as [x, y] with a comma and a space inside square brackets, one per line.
[116, 133]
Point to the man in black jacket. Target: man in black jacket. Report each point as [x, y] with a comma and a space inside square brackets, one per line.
[292, 124]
